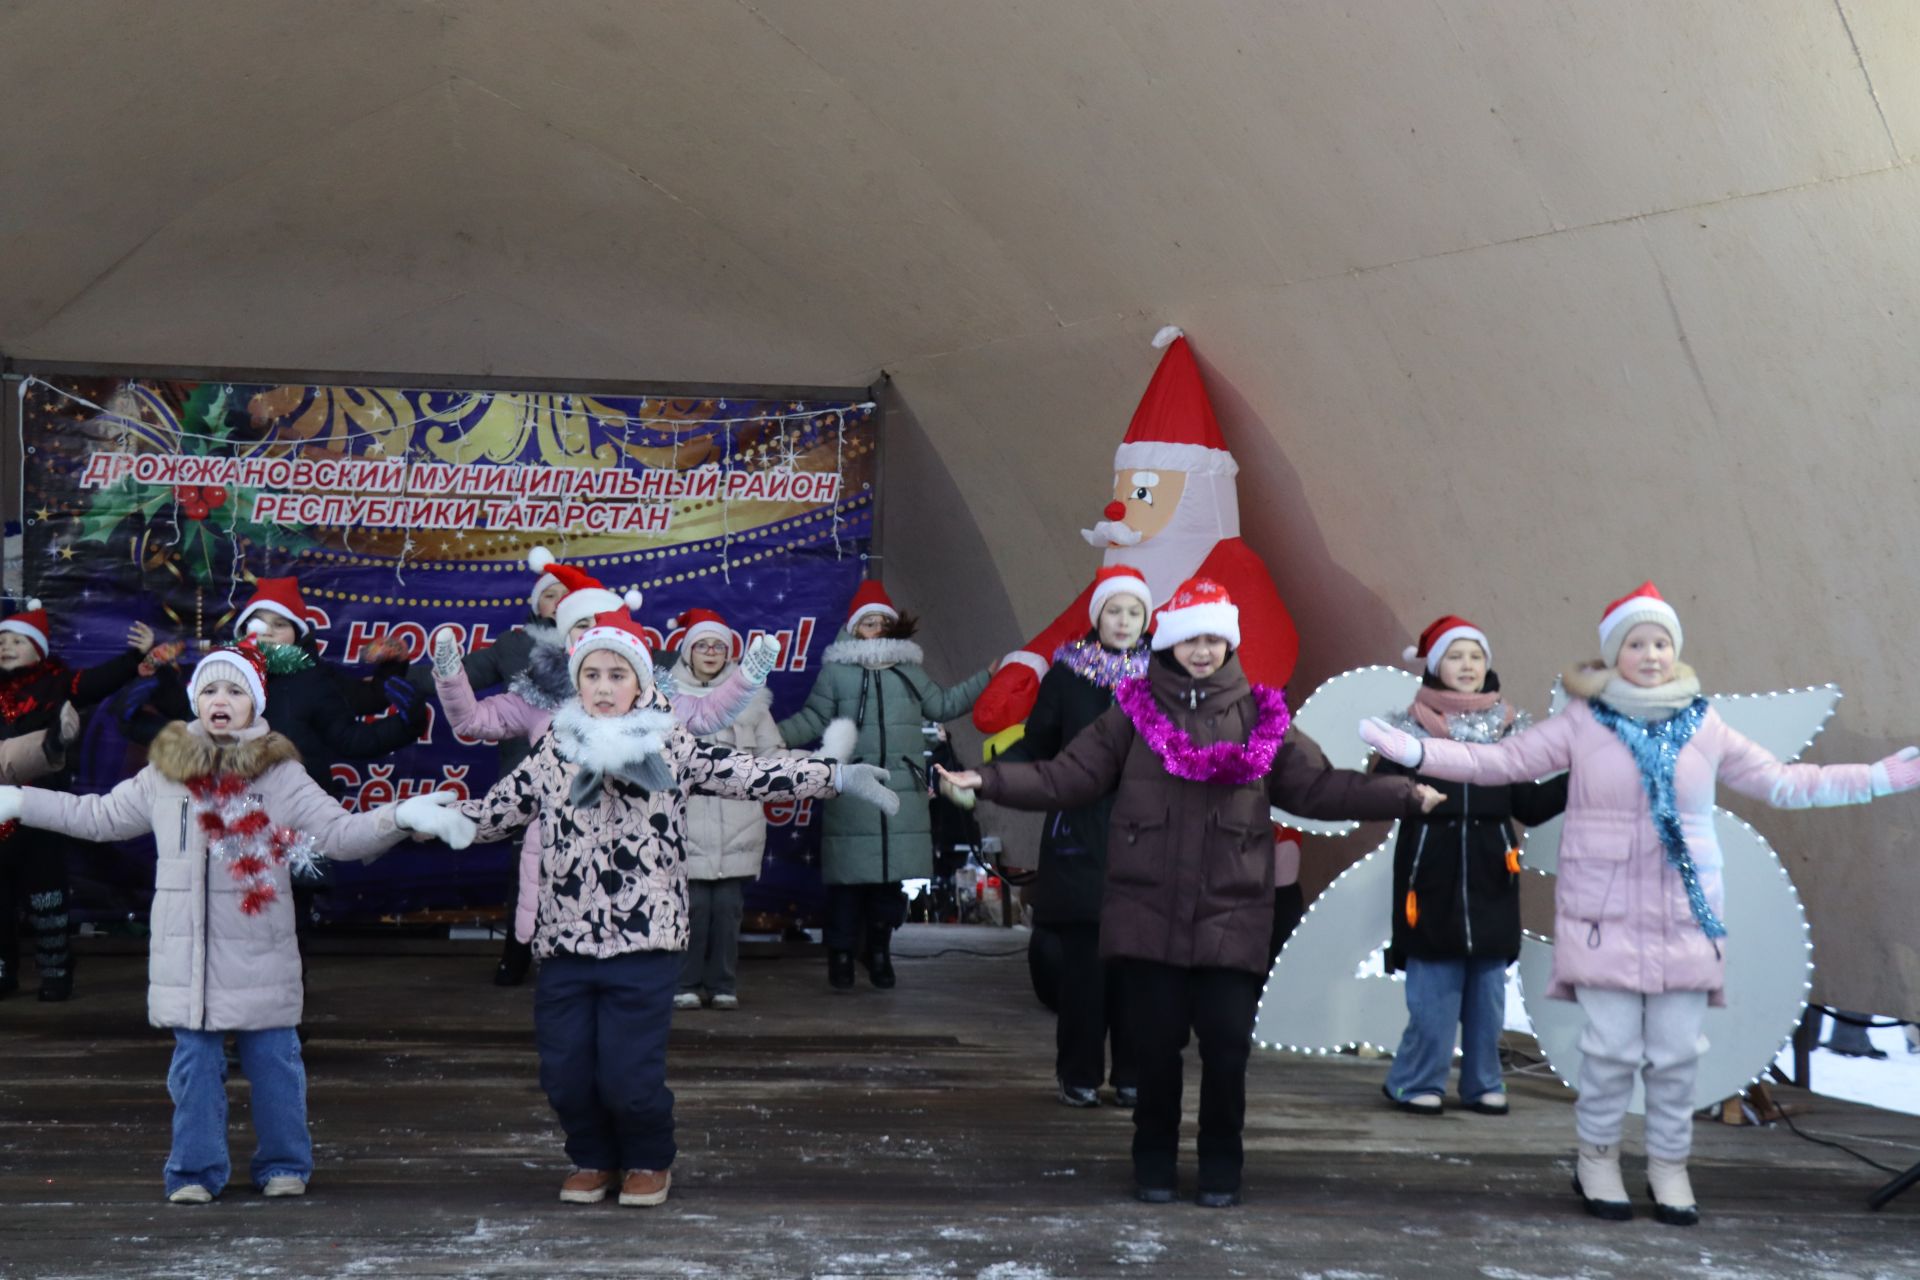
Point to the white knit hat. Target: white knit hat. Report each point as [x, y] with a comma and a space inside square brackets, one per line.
[1201, 607]
[1628, 612]
[242, 662]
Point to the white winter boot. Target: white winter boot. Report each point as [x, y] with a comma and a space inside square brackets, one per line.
[1672, 1192]
[1596, 1180]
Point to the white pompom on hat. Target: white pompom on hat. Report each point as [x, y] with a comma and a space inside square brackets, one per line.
[1200, 607]
[539, 560]
[1644, 604]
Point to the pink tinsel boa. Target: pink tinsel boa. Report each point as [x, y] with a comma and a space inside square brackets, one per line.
[1229, 763]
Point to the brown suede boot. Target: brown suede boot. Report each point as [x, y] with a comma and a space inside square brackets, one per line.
[587, 1186]
[646, 1186]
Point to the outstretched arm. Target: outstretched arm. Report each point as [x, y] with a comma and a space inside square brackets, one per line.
[1087, 769]
[120, 814]
[512, 804]
[1752, 770]
[1545, 749]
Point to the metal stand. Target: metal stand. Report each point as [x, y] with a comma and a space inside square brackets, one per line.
[1879, 1199]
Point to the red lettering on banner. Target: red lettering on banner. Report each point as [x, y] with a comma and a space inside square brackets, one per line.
[788, 813]
[803, 642]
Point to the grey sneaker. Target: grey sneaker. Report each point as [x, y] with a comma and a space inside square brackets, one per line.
[726, 1000]
[284, 1184]
[687, 1000]
[192, 1193]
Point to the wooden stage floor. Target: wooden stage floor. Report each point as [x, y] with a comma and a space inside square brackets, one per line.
[911, 1133]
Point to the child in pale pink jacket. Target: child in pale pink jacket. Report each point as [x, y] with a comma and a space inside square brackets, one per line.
[526, 710]
[231, 809]
[1637, 924]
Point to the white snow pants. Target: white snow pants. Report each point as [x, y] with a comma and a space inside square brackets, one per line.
[1656, 1037]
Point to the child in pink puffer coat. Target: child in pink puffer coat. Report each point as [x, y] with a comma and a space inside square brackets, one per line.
[1637, 925]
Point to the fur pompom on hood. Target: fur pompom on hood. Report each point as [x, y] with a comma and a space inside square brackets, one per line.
[183, 750]
[874, 655]
[1589, 679]
[545, 683]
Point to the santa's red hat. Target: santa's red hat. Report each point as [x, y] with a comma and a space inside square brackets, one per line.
[1440, 633]
[617, 632]
[30, 622]
[1643, 604]
[1173, 427]
[704, 624]
[279, 596]
[243, 662]
[870, 598]
[1201, 607]
[1118, 580]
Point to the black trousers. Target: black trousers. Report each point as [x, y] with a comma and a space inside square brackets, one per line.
[1165, 1007]
[33, 884]
[1289, 904]
[856, 910]
[1090, 1009]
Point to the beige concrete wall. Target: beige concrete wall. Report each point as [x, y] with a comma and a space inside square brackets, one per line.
[1505, 305]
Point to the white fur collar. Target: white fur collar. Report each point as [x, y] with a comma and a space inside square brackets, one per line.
[610, 745]
[873, 654]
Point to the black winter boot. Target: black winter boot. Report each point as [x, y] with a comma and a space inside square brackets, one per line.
[515, 959]
[52, 953]
[880, 958]
[9, 975]
[840, 970]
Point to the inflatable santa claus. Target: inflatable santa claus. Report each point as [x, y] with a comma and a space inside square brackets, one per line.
[1175, 515]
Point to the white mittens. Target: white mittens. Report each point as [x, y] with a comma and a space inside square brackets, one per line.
[12, 799]
[432, 815]
[758, 661]
[866, 782]
[446, 654]
[1393, 744]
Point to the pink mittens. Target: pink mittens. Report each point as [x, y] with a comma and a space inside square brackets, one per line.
[1402, 747]
[1898, 772]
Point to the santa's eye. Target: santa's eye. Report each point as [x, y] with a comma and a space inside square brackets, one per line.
[1143, 494]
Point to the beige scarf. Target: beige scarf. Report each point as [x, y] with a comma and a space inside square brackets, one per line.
[1592, 680]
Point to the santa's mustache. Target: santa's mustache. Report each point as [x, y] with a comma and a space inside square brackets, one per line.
[1112, 533]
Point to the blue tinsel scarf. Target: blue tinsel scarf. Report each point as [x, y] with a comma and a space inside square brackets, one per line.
[1656, 749]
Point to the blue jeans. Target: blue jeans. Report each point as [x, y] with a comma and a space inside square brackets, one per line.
[601, 1029]
[1469, 995]
[198, 1082]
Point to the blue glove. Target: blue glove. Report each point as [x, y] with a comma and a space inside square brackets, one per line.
[401, 695]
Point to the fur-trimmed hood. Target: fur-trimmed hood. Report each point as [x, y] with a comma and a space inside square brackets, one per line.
[874, 654]
[545, 682]
[1588, 680]
[183, 750]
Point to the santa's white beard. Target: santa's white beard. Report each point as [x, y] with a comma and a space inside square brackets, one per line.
[1209, 511]
[1111, 533]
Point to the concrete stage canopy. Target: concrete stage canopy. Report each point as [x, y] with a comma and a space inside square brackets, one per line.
[1505, 306]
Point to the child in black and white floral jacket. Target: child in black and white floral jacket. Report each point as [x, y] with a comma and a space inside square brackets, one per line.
[607, 790]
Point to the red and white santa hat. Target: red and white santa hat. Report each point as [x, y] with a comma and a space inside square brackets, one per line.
[543, 563]
[30, 622]
[617, 632]
[870, 598]
[1118, 580]
[1629, 611]
[242, 662]
[704, 624]
[586, 597]
[1200, 607]
[1440, 633]
[278, 596]
[1173, 426]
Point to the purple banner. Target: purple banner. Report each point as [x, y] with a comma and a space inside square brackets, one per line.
[401, 510]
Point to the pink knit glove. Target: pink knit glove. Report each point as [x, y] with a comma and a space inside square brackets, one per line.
[1898, 772]
[1393, 744]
